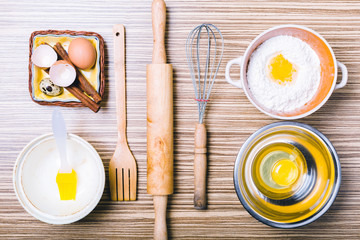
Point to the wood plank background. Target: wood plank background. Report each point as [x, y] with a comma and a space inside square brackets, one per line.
[230, 116]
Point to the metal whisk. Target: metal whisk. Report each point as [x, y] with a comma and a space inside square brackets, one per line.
[204, 54]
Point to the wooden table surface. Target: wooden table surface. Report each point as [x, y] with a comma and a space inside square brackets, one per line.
[230, 116]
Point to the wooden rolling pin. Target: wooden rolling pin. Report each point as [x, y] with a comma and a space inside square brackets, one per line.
[159, 122]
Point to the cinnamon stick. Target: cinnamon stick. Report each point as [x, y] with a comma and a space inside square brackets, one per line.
[83, 82]
[79, 94]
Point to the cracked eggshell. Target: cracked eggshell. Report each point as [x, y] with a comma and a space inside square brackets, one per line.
[62, 73]
[44, 56]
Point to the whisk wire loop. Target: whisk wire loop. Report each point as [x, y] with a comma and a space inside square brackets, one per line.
[203, 85]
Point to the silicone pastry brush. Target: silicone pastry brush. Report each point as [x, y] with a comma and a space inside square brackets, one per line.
[66, 178]
[204, 50]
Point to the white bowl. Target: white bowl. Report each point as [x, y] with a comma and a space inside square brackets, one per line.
[36, 188]
[328, 64]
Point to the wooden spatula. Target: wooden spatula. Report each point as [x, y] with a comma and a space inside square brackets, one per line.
[122, 168]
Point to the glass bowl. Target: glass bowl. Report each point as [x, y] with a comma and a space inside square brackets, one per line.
[287, 174]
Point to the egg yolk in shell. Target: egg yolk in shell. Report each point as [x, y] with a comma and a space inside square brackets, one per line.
[281, 70]
[284, 172]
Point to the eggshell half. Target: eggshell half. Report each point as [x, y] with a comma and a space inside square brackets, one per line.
[44, 56]
[62, 73]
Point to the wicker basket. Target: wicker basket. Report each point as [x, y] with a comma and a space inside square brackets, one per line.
[101, 52]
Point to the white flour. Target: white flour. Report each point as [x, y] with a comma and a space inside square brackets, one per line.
[290, 96]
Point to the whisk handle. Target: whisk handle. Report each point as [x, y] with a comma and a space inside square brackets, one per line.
[200, 166]
[158, 26]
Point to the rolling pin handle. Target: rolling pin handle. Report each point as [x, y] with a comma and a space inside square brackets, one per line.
[159, 25]
[160, 229]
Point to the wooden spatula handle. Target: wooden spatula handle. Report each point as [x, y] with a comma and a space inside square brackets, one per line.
[119, 59]
[159, 25]
[200, 165]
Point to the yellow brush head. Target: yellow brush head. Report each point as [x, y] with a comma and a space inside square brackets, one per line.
[67, 183]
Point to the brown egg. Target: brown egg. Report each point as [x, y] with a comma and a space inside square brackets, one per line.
[82, 53]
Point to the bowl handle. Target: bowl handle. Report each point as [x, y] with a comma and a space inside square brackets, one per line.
[344, 72]
[238, 61]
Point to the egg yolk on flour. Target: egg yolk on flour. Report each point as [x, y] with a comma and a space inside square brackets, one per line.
[280, 70]
[284, 172]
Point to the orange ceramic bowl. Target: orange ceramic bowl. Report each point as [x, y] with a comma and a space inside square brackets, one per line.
[328, 66]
